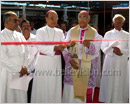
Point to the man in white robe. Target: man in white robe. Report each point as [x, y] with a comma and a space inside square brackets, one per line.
[114, 82]
[14, 60]
[26, 31]
[91, 48]
[47, 76]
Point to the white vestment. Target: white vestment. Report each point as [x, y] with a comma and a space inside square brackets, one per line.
[68, 93]
[47, 76]
[13, 57]
[114, 82]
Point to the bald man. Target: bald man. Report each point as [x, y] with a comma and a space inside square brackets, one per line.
[84, 61]
[47, 77]
[14, 60]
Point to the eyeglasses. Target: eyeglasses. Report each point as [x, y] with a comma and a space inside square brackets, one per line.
[83, 17]
[14, 20]
[53, 18]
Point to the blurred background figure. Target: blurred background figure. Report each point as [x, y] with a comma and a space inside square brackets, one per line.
[95, 26]
[74, 24]
[33, 30]
[63, 27]
[19, 26]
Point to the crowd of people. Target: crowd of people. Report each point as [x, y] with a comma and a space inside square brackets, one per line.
[44, 63]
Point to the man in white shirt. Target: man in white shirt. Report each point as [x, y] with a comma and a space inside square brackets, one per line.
[86, 56]
[26, 29]
[14, 60]
[115, 76]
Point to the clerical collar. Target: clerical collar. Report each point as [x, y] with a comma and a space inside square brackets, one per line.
[83, 28]
[49, 27]
[117, 30]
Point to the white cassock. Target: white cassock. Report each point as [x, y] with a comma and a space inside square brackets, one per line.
[47, 76]
[13, 57]
[114, 82]
[68, 93]
[33, 54]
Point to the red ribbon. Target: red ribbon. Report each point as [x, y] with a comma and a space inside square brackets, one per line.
[56, 42]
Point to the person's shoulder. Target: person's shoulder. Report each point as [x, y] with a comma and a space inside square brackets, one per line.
[92, 28]
[19, 33]
[125, 32]
[110, 31]
[3, 31]
[77, 26]
[32, 36]
[3, 35]
[42, 28]
[58, 29]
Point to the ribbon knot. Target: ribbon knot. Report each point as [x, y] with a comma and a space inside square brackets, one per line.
[82, 34]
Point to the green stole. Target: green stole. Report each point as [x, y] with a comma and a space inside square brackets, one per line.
[81, 76]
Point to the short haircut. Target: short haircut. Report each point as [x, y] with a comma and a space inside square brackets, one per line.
[24, 22]
[118, 15]
[8, 14]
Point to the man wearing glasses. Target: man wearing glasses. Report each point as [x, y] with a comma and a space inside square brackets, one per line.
[14, 60]
[84, 61]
